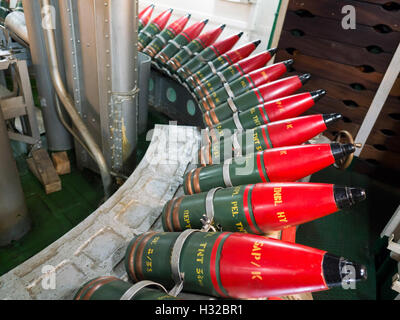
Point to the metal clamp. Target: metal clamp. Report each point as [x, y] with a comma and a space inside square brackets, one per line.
[175, 44]
[136, 288]
[209, 217]
[124, 96]
[187, 50]
[237, 122]
[177, 276]
[164, 42]
[201, 58]
[147, 34]
[232, 105]
[213, 69]
[226, 174]
[237, 149]
[229, 91]
[222, 77]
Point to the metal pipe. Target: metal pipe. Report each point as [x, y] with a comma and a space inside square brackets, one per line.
[125, 84]
[58, 139]
[70, 107]
[70, 130]
[14, 219]
[15, 23]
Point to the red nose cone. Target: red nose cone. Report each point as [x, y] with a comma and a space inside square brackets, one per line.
[194, 30]
[145, 15]
[162, 20]
[208, 38]
[243, 52]
[281, 205]
[289, 107]
[255, 62]
[267, 74]
[227, 44]
[296, 131]
[177, 26]
[280, 88]
[269, 267]
[304, 160]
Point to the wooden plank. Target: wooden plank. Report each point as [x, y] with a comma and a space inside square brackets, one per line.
[355, 115]
[377, 138]
[32, 167]
[334, 51]
[380, 98]
[384, 158]
[345, 92]
[48, 175]
[362, 36]
[366, 13]
[22, 138]
[335, 71]
[13, 107]
[378, 2]
[340, 91]
[61, 163]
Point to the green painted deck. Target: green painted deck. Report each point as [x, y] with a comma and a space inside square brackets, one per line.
[55, 214]
[52, 215]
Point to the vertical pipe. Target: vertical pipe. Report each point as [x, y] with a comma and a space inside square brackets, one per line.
[125, 77]
[14, 220]
[58, 139]
[144, 77]
[68, 103]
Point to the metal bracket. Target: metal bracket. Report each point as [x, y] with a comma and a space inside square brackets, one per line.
[207, 224]
[393, 246]
[125, 96]
[208, 218]
[396, 283]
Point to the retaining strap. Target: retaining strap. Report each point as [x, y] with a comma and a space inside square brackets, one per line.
[147, 34]
[237, 122]
[232, 105]
[177, 276]
[136, 288]
[226, 173]
[237, 149]
[222, 77]
[162, 39]
[175, 44]
[187, 50]
[213, 69]
[209, 210]
[229, 90]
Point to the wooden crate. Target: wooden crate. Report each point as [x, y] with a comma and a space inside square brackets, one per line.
[349, 64]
